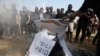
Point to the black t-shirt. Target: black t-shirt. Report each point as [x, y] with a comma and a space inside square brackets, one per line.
[68, 13]
[93, 4]
[60, 15]
[84, 20]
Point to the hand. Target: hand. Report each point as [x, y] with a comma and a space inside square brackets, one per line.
[64, 18]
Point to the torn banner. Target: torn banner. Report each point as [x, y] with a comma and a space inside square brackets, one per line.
[60, 29]
[42, 44]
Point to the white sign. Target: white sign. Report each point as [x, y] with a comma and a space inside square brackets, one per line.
[41, 45]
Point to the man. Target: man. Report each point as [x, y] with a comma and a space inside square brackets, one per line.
[93, 5]
[84, 23]
[13, 28]
[47, 14]
[6, 20]
[70, 27]
[1, 27]
[52, 12]
[36, 14]
[41, 13]
[60, 13]
[25, 19]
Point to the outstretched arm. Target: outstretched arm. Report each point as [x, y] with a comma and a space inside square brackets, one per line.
[51, 21]
[77, 13]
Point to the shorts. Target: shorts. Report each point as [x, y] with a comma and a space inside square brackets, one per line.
[70, 27]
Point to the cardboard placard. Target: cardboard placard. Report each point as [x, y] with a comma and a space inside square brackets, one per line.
[41, 45]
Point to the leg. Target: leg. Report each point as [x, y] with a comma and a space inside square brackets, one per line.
[98, 49]
[71, 29]
[67, 35]
[83, 34]
[77, 32]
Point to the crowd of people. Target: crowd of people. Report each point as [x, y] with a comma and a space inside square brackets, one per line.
[17, 23]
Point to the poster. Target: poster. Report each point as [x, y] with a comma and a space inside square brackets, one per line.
[42, 44]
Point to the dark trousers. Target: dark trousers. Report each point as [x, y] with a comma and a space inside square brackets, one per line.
[98, 49]
[5, 27]
[14, 29]
[57, 50]
[1, 30]
[98, 42]
[79, 28]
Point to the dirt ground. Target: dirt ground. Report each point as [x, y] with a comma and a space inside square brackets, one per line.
[17, 46]
[14, 46]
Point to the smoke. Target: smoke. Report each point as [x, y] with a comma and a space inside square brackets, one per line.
[19, 3]
[7, 3]
[5, 10]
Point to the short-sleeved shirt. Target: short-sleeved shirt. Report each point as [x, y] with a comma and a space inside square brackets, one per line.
[47, 15]
[59, 15]
[24, 17]
[52, 14]
[13, 15]
[68, 13]
[36, 15]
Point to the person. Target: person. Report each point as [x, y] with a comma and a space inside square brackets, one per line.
[96, 41]
[93, 4]
[18, 23]
[25, 19]
[6, 20]
[84, 24]
[36, 14]
[62, 11]
[1, 27]
[52, 12]
[47, 14]
[91, 22]
[41, 12]
[13, 28]
[58, 15]
[70, 27]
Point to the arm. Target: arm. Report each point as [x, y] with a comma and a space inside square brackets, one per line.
[18, 21]
[87, 16]
[18, 18]
[51, 21]
[77, 13]
[28, 19]
[83, 8]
